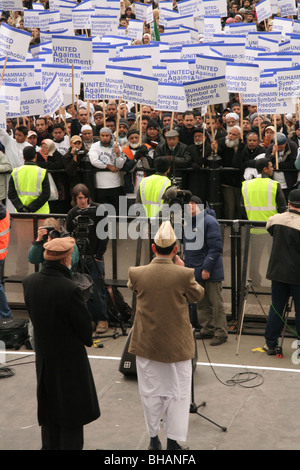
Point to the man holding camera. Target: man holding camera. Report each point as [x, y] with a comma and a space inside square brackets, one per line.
[46, 232]
[91, 249]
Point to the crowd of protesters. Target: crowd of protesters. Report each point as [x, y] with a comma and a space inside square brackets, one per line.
[66, 145]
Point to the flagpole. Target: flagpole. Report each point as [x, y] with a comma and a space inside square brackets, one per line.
[275, 138]
[118, 120]
[73, 101]
[172, 120]
[140, 124]
[3, 71]
[242, 117]
[104, 113]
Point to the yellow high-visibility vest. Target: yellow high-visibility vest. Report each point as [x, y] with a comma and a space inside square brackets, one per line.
[259, 195]
[152, 189]
[28, 181]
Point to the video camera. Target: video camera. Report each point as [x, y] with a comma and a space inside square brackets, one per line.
[174, 195]
[82, 222]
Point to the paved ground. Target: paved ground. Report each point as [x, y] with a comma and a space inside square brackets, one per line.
[253, 395]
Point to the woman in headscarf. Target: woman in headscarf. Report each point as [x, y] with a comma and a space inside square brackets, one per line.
[51, 159]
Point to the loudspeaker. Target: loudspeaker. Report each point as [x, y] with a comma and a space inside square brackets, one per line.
[127, 365]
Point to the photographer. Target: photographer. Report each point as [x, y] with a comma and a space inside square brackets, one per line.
[49, 230]
[91, 250]
[73, 160]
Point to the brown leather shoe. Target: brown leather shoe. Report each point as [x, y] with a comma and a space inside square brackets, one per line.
[102, 327]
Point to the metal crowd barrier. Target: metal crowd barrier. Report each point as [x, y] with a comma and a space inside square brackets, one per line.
[122, 253]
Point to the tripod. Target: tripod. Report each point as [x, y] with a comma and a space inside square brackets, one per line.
[194, 408]
[82, 246]
[240, 326]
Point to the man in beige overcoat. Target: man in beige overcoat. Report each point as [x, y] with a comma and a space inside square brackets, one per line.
[162, 338]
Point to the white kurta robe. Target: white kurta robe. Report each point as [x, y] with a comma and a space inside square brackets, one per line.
[165, 390]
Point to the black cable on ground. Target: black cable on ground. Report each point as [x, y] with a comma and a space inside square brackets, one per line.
[241, 378]
[6, 372]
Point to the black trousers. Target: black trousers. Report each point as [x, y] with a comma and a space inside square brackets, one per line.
[110, 196]
[56, 437]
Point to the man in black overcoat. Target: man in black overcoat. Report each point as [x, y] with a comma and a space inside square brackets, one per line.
[66, 394]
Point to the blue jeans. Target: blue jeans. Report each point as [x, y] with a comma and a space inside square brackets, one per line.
[5, 311]
[280, 297]
[97, 303]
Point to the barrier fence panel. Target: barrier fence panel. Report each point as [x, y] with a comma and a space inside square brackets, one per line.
[245, 256]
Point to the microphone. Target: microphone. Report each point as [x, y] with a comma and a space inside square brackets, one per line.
[173, 193]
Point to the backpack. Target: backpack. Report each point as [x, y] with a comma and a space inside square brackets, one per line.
[118, 310]
[14, 332]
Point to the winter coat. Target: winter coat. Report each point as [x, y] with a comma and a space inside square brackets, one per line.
[62, 328]
[210, 256]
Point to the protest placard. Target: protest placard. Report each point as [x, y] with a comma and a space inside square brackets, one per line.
[135, 29]
[143, 62]
[178, 71]
[282, 25]
[254, 41]
[11, 94]
[14, 43]
[177, 38]
[94, 85]
[208, 67]
[11, 5]
[272, 63]
[269, 101]
[31, 102]
[69, 77]
[288, 82]
[46, 17]
[215, 8]
[22, 74]
[53, 96]
[150, 50]
[263, 10]
[242, 78]
[206, 92]
[240, 28]
[140, 89]
[103, 24]
[31, 19]
[3, 124]
[235, 51]
[143, 12]
[188, 7]
[70, 50]
[251, 53]
[82, 18]
[211, 26]
[287, 8]
[171, 96]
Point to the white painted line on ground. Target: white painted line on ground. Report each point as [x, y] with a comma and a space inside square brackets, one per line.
[234, 366]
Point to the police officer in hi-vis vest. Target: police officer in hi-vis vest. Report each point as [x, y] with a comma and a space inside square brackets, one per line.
[262, 198]
[152, 188]
[29, 188]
